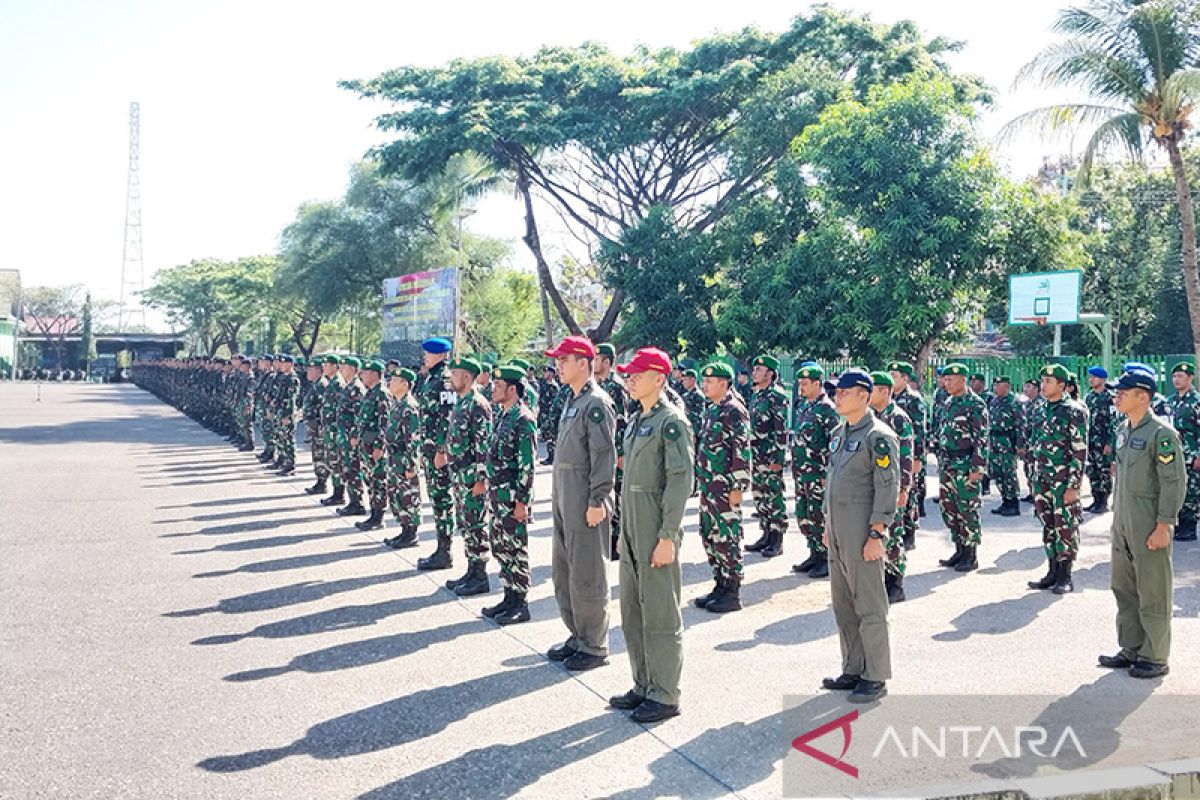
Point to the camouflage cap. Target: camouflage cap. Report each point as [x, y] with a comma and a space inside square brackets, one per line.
[1186, 367]
[881, 378]
[814, 372]
[509, 373]
[1056, 371]
[469, 364]
[903, 367]
[718, 369]
[770, 362]
[955, 369]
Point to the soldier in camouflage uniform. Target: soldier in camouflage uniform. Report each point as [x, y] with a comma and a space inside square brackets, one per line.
[245, 401]
[1185, 415]
[436, 397]
[768, 439]
[466, 455]
[1102, 433]
[331, 402]
[962, 455]
[371, 441]
[1030, 409]
[723, 475]
[906, 395]
[550, 406]
[530, 399]
[286, 404]
[404, 458]
[1003, 444]
[693, 400]
[890, 413]
[347, 434]
[311, 411]
[511, 461]
[1059, 451]
[608, 380]
[812, 425]
[262, 392]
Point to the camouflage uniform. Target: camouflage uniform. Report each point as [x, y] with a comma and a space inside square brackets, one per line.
[347, 429]
[1102, 421]
[918, 413]
[262, 392]
[511, 461]
[1185, 415]
[436, 398]
[723, 467]
[466, 445]
[1003, 442]
[404, 456]
[372, 421]
[894, 417]
[768, 440]
[286, 400]
[1031, 412]
[1058, 450]
[331, 402]
[694, 404]
[962, 449]
[812, 426]
[311, 409]
[620, 397]
[550, 406]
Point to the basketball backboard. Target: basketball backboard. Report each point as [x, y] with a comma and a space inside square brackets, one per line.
[1044, 298]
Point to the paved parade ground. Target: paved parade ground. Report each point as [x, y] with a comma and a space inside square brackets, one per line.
[177, 622]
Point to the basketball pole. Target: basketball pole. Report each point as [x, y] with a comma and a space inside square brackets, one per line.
[1057, 341]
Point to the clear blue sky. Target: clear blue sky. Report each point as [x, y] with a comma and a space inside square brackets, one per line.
[242, 119]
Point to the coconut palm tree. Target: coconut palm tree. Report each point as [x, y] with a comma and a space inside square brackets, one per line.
[1137, 61]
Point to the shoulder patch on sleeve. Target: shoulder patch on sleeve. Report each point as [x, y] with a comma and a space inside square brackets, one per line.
[883, 453]
[595, 414]
[672, 431]
[881, 446]
[1166, 445]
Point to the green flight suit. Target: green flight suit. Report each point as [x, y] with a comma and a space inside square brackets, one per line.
[861, 490]
[659, 460]
[1151, 481]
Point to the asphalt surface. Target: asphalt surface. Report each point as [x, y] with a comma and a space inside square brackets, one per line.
[176, 622]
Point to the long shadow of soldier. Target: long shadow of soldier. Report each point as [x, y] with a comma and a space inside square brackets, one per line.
[281, 596]
[295, 562]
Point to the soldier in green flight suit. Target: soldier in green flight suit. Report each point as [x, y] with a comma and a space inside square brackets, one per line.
[860, 503]
[812, 426]
[768, 409]
[659, 469]
[466, 455]
[1058, 448]
[1150, 487]
[1185, 417]
[371, 441]
[890, 413]
[962, 457]
[404, 458]
[511, 461]
[1102, 424]
[1003, 443]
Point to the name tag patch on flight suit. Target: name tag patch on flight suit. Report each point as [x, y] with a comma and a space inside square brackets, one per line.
[1166, 451]
[645, 430]
[883, 454]
[571, 413]
[671, 431]
[1137, 444]
[852, 446]
[595, 414]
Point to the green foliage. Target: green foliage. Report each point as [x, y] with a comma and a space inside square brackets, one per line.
[214, 300]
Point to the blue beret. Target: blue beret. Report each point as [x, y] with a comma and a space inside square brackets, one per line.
[1138, 366]
[1137, 380]
[809, 363]
[1098, 372]
[853, 378]
[437, 345]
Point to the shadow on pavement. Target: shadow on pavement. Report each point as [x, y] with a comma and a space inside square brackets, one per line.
[262, 544]
[231, 501]
[294, 562]
[283, 596]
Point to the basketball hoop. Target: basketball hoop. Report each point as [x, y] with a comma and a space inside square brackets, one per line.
[1031, 320]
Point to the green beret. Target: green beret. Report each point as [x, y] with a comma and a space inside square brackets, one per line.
[373, 366]
[954, 369]
[509, 373]
[1002, 379]
[770, 362]
[1056, 371]
[520, 362]
[688, 373]
[331, 358]
[978, 376]
[814, 372]
[903, 367]
[882, 379]
[718, 369]
[606, 349]
[1185, 367]
[405, 373]
[469, 364]
[352, 361]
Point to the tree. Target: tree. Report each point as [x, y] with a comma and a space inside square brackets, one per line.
[214, 300]
[87, 337]
[55, 313]
[1137, 61]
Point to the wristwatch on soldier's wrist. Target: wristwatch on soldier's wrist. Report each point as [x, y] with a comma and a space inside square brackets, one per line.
[874, 534]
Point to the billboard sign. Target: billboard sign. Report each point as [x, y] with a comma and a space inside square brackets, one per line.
[416, 307]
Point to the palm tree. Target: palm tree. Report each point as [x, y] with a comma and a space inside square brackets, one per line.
[1137, 61]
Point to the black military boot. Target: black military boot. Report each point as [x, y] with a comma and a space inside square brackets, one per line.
[968, 562]
[910, 541]
[352, 509]
[246, 448]
[921, 509]
[337, 498]
[728, 600]
[317, 488]
[266, 455]
[807, 564]
[1009, 508]
[1049, 579]
[985, 486]
[453, 583]
[1099, 503]
[406, 538]
[762, 541]
[774, 545]
[518, 611]
[474, 582]
[491, 611]
[821, 568]
[952, 561]
[615, 553]
[895, 587]
[287, 469]
[277, 463]
[371, 523]
[1063, 583]
[704, 599]
[439, 558]
[1185, 531]
[1027, 498]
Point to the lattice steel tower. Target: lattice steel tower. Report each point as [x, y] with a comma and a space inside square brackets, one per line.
[132, 274]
